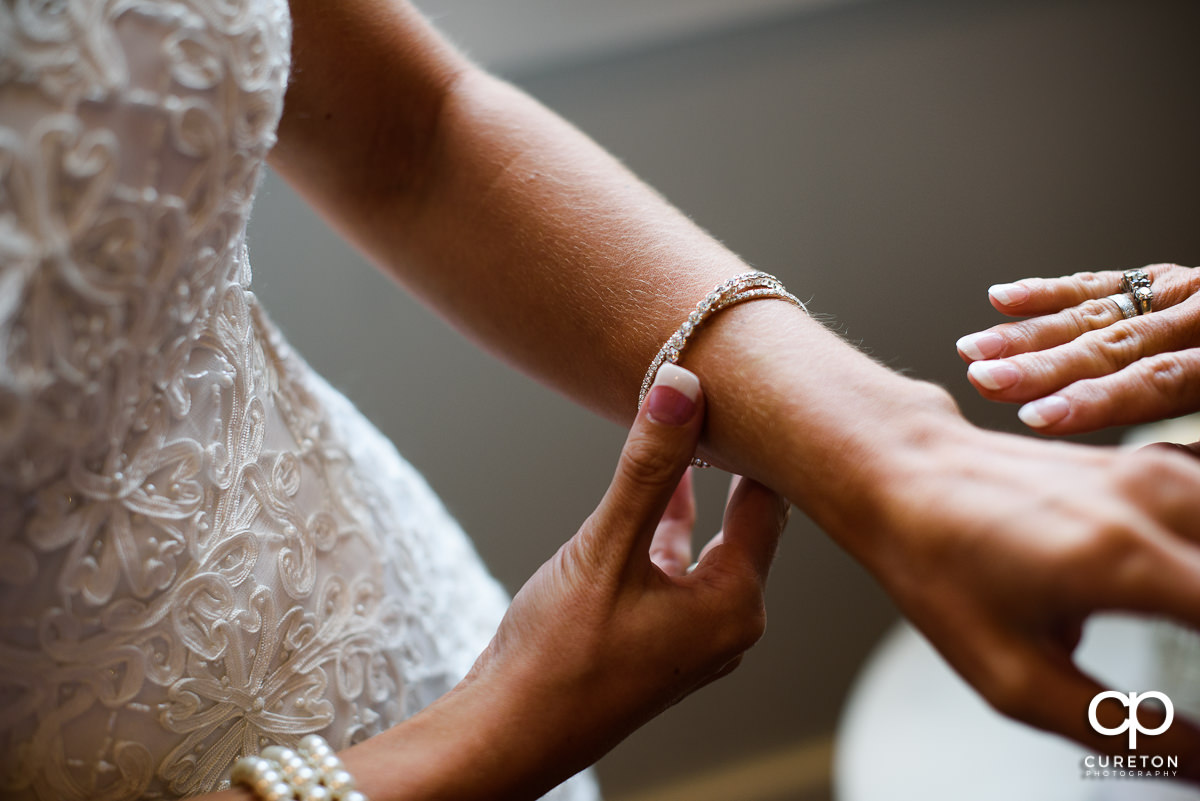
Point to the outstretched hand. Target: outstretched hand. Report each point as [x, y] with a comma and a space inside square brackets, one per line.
[1078, 364]
[615, 628]
[1003, 551]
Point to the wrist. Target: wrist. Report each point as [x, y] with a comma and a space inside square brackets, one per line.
[881, 469]
[461, 747]
[494, 737]
[800, 410]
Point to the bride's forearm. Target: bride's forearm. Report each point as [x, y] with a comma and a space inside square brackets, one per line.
[523, 234]
[541, 247]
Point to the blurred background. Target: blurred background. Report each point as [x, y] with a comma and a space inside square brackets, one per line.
[888, 159]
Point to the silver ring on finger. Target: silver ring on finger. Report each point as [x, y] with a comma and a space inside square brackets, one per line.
[1132, 280]
[1143, 296]
[1125, 303]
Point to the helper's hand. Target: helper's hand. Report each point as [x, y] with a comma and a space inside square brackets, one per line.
[607, 634]
[603, 637]
[1078, 364]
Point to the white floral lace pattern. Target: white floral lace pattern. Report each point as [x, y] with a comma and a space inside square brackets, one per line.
[203, 547]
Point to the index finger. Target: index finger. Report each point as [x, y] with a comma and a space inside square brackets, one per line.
[1034, 296]
[755, 516]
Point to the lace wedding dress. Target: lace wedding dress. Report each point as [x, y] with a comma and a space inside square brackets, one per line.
[203, 547]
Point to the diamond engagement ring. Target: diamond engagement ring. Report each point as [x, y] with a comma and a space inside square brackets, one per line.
[1137, 283]
[1132, 279]
[1144, 297]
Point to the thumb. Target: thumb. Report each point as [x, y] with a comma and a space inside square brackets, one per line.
[656, 454]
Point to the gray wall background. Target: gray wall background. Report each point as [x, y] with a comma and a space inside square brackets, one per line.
[890, 160]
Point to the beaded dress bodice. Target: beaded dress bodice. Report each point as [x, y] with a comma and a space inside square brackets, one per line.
[203, 547]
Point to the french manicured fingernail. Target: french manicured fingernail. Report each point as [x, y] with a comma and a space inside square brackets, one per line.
[994, 375]
[1044, 411]
[673, 395]
[984, 345]
[1008, 294]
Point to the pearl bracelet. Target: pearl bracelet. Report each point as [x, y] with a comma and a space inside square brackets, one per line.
[312, 772]
[747, 286]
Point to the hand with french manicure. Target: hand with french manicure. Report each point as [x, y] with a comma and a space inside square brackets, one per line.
[616, 626]
[1076, 364]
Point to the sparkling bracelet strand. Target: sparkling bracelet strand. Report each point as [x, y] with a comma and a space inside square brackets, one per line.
[312, 772]
[747, 286]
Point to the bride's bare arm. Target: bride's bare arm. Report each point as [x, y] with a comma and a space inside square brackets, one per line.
[541, 247]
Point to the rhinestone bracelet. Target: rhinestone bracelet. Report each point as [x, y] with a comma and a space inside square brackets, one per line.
[747, 286]
[312, 772]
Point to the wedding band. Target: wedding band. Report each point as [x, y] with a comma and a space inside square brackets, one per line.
[1132, 280]
[1144, 297]
[1125, 304]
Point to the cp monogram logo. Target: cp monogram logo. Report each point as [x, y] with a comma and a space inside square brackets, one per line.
[1132, 724]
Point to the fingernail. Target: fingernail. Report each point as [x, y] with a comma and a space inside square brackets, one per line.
[673, 395]
[1044, 411]
[994, 375]
[984, 345]
[1008, 294]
